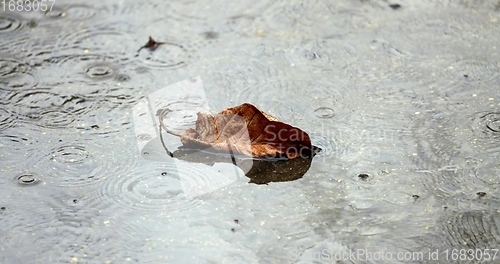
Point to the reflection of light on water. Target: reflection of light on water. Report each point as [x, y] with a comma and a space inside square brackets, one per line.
[177, 106]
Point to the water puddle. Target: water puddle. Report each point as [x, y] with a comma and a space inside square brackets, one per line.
[401, 98]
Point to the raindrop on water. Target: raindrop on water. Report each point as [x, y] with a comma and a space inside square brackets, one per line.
[10, 22]
[494, 125]
[490, 122]
[324, 112]
[70, 154]
[144, 137]
[53, 118]
[144, 191]
[27, 179]
[100, 71]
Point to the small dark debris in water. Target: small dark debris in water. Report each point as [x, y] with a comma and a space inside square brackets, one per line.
[2, 208]
[446, 207]
[75, 200]
[236, 221]
[481, 194]
[466, 76]
[122, 77]
[395, 6]
[151, 44]
[91, 177]
[384, 172]
[164, 173]
[415, 197]
[94, 127]
[211, 35]
[32, 23]
[312, 56]
[363, 176]
[233, 230]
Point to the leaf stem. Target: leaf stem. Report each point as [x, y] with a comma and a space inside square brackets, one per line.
[161, 114]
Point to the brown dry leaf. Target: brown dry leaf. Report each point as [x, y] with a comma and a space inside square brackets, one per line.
[245, 129]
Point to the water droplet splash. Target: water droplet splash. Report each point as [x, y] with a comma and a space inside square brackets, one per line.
[27, 179]
[324, 112]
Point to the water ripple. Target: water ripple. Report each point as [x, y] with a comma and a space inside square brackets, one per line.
[81, 165]
[166, 56]
[87, 67]
[324, 94]
[176, 52]
[488, 173]
[472, 230]
[438, 31]
[437, 156]
[104, 79]
[68, 226]
[473, 71]
[69, 154]
[385, 101]
[52, 118]
[72, 12]
[19, 141]
[151, 188]
[28, 179]
[328, 55]
[100, 71]
[47, 109]
[16, 75]
[487, 124]
[300, 13]
[484, 140]
[103, 70]
[7, 119]
[10, 22]
[283, 16]
[324, 112]
[132, 8]
[32, 47]
[98, 39]
[473, 6]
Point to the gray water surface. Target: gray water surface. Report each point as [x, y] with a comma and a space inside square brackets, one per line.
[401, 96]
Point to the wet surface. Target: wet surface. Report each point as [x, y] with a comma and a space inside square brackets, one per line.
[402, 98]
